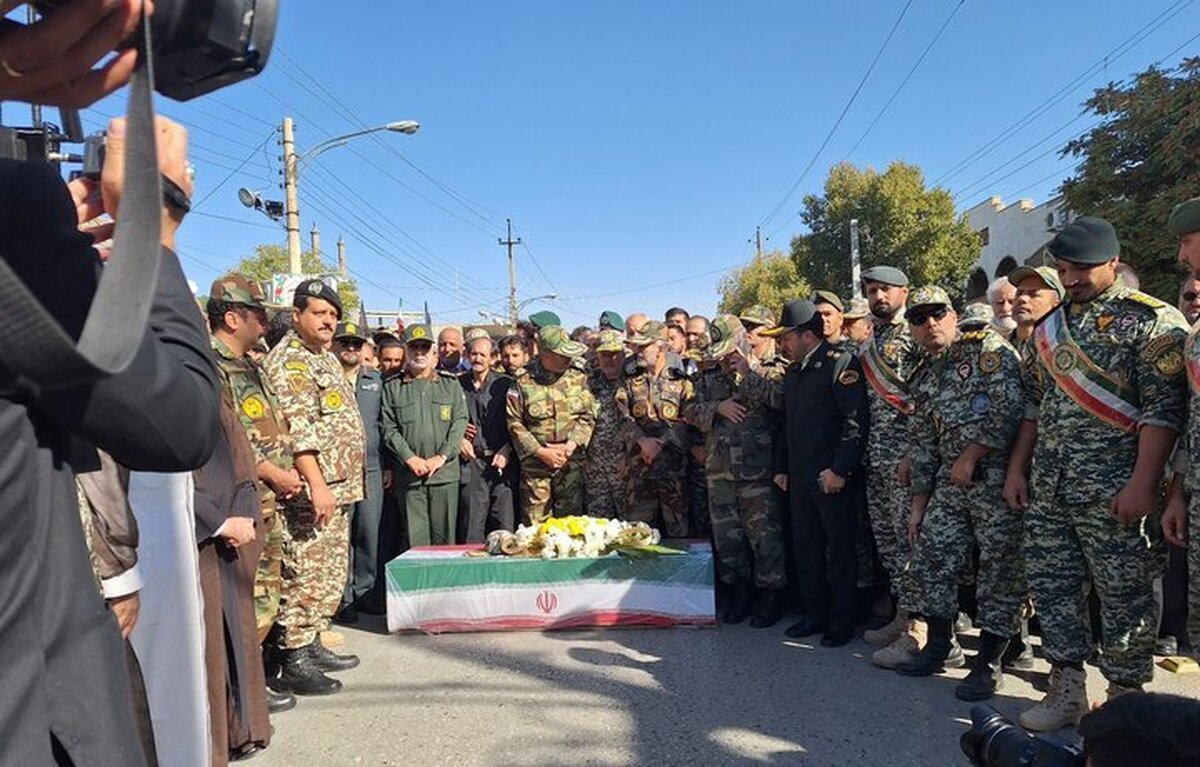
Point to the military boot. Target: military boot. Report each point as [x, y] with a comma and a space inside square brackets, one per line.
[904, 648]
[886, 634]
[1116, 690]
[1065, 702]
[327, 660]
[1019, 654]
[302, 677]
[768, 610]
[986, 675]
[941, 651]
[740, 600]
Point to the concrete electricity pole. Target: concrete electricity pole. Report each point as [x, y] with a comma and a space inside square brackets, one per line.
[855, 261]
[341, 257]
[512, 273]
[315, 234]
[291, 203]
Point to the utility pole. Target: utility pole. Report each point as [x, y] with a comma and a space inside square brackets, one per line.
[341, 257]
[315, 234]
[758, 241]
[512, 273]
[290, 199]
[855, 261]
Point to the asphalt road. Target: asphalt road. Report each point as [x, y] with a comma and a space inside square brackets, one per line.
[731, 695]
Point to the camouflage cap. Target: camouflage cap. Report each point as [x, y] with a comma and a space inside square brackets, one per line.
[928, 295]
[611, 341]
[1044, 273]
[349, 330]
[856, 309]
[235, 288]
[974, 316]
[757, 315]
[652, 331]
[418, 333]
[725, 332]
[474, 334]
[554, 338]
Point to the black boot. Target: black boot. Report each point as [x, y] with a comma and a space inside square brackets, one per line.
[1019, 654]
[940, 653]
[768, 610]
[740, 598]
[279, 701]
[327, 660]
[986, 675]
[302, 677]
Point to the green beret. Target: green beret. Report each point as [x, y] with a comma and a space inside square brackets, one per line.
[1185, 219]
[928, 295]
[610, 319]
[888, 275]
[827, 297]
[1088, 240]
[544, 319]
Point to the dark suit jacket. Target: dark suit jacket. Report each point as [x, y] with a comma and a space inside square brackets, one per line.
[64, 674]
[825, 415]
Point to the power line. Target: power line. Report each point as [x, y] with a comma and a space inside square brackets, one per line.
[253, 153]
[537, 265]
[828, 136]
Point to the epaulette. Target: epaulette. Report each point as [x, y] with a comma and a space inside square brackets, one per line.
[1138, 297]
[451, 374]
[833, 354]
[974, 335]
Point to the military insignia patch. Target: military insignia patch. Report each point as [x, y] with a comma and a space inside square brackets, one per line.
[444, 412]
[639, 410]
[537, 409]
[1064, 359]
[848, 377]
[669, 410]
[315, 287]
[294, 344]
[333, 400]
[989, 362]
[980, 403]
[297, 383]
[1169, 363]
[418, 332]
[1127, 322]
[964, 370]
[253, 407]
[351, 327]
[1103, 321]
[296, 365]
[1160, 345]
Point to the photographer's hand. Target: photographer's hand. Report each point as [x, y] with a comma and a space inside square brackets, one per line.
[172, 162]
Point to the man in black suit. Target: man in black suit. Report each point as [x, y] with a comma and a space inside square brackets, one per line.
[825, 422]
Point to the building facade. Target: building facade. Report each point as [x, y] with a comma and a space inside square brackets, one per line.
[1012, 235]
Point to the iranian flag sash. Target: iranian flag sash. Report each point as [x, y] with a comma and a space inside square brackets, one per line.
[1087, 385]
[884, 379]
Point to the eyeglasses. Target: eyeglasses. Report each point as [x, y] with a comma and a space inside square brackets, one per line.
[920, 318]
[1190, 295]
[351, 343]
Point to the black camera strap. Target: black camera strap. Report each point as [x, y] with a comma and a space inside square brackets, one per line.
[36, 347]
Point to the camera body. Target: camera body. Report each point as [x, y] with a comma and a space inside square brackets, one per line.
[993, 741]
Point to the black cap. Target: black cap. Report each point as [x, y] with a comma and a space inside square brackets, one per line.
[888, 275]
[800, 314]
[350, 330]
[316, 288]
[1088, 240]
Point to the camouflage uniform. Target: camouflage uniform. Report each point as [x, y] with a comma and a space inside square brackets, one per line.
[545, 409]
[606, 471]
[1191, 481]
[1079, 465]
[743, 504]
[319, 405]
[652, 406]
[970, 394]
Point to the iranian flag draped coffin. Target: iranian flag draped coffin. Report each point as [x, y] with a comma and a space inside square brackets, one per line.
[439, 589]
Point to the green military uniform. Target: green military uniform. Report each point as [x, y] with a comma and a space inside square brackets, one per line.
[545, 408]
[652, 405]
[425, 417]
[606, 475]
[746, 518]
[1104, 369]
[260, 413]
[320, 408]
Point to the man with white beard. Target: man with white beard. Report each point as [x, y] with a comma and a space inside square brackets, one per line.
[1000, 295]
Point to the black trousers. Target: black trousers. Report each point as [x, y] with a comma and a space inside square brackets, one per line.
[368, 557]
[485, 500]
[824, 528]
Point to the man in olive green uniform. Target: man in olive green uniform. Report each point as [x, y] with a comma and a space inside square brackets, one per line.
[237, 319]
[424, 421]
[606, 471]
[551, 415]
[652, 402]
[328, 447]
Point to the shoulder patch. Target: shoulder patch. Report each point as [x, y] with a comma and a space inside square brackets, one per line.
[989, 362]
[294, 344]
[296, 365]
[848, 377]
[1166, 354]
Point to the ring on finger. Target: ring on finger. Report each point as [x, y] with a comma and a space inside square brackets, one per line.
[9, 70]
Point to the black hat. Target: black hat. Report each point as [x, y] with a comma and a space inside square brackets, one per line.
[800, 314]
[350, 330]
[888, 275]
[316, 288]
[1088, 240]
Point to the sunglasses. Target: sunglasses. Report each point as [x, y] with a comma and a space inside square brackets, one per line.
[920, 318]
[351, 343]
[1190, 295]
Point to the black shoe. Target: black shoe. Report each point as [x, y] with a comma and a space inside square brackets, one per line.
[1166, 645]
[941, 652]
[805, 627]
[247, 751]
[1019, 654]
[768, 611]
[327, 660]
[302, 677]
[279, 701]
[987, 674]
[346, 616]
[739, 597]
[837, 637]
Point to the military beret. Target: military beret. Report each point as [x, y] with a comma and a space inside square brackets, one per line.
[888, 275]
[1088, 240]
[349, 330]
[827, 297]
[235, 288]
[474, 334]
[650, 332]
[610, 319]
[858, 308]
[316, 288]
[553, 338]
[800, 314]
[544, 319]
[1185, 219]
[757, 315]
[725, 331]
[1044, 273]
[976, 315]
[417, 333]
[928, 295]
[610, 341]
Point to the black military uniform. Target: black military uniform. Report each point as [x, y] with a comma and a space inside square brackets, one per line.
[825, 421]
[485, 496]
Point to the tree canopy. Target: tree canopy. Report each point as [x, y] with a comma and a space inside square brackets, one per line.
[770, 279]
[269, 260]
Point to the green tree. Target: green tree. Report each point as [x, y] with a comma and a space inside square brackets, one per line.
[769, 279]
[269, 260]
[902, 223]
[1138, 163]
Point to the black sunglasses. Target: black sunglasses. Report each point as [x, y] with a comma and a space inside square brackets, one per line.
[1190, 295]
[920, 318]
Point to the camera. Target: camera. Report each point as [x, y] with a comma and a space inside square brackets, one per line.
[993, 741]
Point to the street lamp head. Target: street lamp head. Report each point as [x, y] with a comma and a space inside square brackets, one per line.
[551, 296]
[247, 197]
[408, 127]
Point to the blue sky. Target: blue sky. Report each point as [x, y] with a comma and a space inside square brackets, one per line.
[635, 145]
